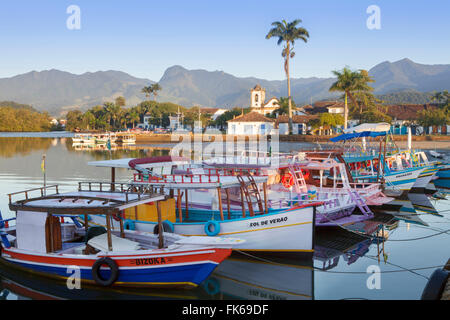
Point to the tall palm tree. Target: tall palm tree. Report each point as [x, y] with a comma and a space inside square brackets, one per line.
[349, 82]
[155, 88]
[288, 33]
[148, 91]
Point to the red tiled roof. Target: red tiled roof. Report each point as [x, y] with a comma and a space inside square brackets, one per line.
[295, 118]
[252, 117]
[407, 111]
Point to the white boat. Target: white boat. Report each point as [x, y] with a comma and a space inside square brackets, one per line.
[83, 138]
[287, 230]
[126, 138]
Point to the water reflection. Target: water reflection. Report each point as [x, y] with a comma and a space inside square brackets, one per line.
[10, 147]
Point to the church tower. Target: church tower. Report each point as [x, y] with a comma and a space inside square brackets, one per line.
[258, 96]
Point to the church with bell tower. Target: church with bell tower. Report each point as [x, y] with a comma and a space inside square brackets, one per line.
[257, 101]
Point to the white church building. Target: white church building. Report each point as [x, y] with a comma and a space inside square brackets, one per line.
[258, 104]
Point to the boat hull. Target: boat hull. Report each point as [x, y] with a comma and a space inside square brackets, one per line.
[286, 231]
[183, 269]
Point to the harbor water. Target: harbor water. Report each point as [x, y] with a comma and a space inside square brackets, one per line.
[414, 238]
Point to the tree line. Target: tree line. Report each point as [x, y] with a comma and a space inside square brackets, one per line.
[16, 117]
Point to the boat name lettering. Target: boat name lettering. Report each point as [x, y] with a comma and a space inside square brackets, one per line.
[404, 175]
[148, 261]
[267, 222]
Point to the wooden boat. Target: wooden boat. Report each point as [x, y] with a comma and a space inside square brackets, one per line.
[83, 138]
[314, 176]
[103, 138]
[126, 138]
[286, 230]
[40, 243]
[414, 159]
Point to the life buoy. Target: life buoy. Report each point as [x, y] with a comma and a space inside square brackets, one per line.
[129, 225]
[212, 228]
[114, 271]
[358, 165]
[287, 180]
[167, 227]
[211, 286]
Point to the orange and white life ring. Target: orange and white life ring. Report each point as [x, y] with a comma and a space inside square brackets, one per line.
[287, 180]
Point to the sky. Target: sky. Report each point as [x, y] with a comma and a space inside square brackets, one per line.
[145, 37]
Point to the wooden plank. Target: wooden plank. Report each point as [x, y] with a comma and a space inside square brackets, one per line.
[108, 232]
[266, 210]
[242, 203]
[160, 226]
[187, 210]
[220, 203]
[228, 203]
[180, 214]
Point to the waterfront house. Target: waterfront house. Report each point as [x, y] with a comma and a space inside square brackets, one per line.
[250, 124]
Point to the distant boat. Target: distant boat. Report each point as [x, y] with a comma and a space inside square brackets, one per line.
[126, 139]
[83, 138]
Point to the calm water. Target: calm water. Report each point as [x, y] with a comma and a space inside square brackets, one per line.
[338, 270]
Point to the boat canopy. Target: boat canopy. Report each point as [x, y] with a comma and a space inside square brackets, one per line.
[350, 136]
[131, 163]
[373, 127]
[79, 202]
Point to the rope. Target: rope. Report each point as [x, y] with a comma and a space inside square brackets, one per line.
[402, 269]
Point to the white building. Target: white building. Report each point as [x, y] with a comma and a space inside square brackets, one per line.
[252, 123]
[299, 124]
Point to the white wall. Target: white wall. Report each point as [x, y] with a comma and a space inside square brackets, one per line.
[250, 128]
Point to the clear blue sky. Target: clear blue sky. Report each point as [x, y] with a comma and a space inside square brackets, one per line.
[144, 37]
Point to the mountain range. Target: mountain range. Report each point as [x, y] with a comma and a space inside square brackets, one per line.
[58, 91]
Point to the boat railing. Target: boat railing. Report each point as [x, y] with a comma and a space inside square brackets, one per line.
[229, 171]
[364, 186]
[102, 186]
[172, 178]
[27, 193]
[123, 188]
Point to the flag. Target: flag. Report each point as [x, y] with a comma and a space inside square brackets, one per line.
[43, 163]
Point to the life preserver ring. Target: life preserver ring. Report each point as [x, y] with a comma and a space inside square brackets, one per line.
[113, 268]
[129, 225]
[211, 286]
[167, 227]
[212, 228]
[287, 180]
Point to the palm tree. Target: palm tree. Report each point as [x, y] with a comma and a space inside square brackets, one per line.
[148, 91]
[349, 82]
[288, 33]
[155, 88]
